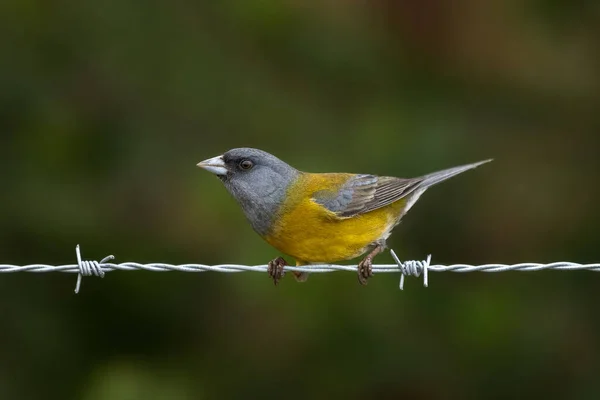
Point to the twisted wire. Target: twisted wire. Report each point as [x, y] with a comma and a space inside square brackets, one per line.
[406, 268]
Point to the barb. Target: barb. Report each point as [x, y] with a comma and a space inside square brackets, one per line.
[87, 268]
[413, 268]
[406, 268]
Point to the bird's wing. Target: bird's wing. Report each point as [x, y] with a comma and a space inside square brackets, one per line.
[363, 193]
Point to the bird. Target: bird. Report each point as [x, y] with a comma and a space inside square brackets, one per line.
[319, 218]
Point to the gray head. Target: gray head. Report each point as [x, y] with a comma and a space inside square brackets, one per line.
[256, 179]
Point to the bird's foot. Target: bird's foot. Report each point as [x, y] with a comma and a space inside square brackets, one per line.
[300, 276]
[365, 270]
[365, 267]
[275, 269]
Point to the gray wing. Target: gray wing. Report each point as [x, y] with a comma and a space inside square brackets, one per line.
[364, 193]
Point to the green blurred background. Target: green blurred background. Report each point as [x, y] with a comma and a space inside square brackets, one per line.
[106, 107]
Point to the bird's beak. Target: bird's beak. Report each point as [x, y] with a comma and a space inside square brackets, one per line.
[216, 165]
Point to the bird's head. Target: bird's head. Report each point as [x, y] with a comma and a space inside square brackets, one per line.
[258, 181]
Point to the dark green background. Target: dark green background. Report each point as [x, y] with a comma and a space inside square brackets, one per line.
[106, 107]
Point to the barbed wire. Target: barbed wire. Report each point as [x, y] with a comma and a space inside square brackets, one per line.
[406, 268]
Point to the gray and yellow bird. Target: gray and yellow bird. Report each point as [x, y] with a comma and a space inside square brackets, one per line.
[319, 218]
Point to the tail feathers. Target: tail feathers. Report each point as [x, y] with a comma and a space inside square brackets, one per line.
[428, 180]
[439, 176]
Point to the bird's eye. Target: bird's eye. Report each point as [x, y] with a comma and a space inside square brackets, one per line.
[246, 164]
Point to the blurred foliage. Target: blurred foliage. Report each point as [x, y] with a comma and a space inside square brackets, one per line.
[106, 107]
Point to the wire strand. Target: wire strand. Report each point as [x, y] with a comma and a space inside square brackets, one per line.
[406, 268]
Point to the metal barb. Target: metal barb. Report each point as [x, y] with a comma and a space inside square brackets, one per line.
[413, 268]
[88, 268]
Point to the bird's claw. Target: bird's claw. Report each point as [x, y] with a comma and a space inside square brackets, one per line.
[275, 269]
[365, 270]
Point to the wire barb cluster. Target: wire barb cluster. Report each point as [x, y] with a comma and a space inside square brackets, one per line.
[406, 268]
[413, 268]
[88, 268]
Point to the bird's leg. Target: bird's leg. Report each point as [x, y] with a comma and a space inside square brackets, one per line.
[365, 267]
[300, 276]
[275, 269]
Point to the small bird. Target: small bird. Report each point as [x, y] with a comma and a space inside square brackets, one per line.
[319, 218]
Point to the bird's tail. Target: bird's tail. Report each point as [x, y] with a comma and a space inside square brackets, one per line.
[420, 185]
[439, 176]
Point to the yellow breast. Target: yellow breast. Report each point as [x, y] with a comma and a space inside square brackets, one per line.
[310, 233]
